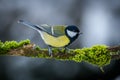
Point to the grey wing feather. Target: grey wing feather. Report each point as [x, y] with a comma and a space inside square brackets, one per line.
[54, 30]
[47, 28]
[59, 30]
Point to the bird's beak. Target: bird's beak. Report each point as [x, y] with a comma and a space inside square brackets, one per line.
[80, 33]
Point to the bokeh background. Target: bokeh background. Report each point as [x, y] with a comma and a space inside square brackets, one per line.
[98, 20]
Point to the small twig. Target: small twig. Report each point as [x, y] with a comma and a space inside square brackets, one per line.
[115, 50]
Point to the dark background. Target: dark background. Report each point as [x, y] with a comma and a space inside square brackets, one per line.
[99, 20]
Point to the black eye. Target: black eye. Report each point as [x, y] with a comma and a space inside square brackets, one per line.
[73, 28]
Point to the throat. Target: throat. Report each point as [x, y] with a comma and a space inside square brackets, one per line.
[72, 39]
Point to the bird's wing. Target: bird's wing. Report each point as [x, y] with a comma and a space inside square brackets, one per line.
[54, 30]
[58, 30]
[48, 28]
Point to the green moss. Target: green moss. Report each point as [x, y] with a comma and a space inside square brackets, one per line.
[37, 48]
[55, 50]
[8, 45]
[80, 54]
[23, 42]
[97, 55]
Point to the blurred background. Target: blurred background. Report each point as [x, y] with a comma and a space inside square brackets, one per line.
[98, 20]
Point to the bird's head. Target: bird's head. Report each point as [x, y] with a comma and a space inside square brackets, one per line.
[72, 32]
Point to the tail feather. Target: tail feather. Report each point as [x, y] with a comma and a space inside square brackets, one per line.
[36, 27]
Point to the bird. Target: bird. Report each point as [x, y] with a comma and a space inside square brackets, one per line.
[58, 36]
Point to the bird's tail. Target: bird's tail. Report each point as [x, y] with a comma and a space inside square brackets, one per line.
[36, 27]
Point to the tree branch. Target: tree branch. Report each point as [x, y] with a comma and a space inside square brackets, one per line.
[99, 55]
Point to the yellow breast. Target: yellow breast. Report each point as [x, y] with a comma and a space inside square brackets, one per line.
[60, 41]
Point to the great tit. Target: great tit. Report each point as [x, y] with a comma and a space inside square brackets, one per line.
[55, 36]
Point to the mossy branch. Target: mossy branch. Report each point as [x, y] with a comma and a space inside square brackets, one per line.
[99, 55]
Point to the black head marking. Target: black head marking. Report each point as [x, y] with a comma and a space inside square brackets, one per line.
[73, 29]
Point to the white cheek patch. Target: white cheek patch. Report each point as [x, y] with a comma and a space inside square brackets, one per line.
[71, 33]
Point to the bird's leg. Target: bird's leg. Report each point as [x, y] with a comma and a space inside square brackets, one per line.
[50, 51]
[66, 50]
